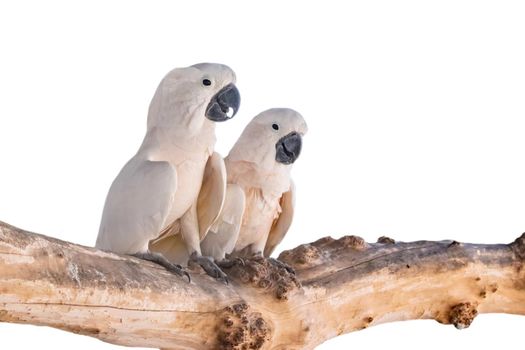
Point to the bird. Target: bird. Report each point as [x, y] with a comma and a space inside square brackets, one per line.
[260, 199]
[175, 184]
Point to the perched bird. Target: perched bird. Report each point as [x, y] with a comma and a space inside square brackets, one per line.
[259, 204]
[175, 184]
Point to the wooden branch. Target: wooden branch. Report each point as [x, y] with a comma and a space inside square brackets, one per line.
[341, 286]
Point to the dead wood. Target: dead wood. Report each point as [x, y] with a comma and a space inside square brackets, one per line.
[342, 285]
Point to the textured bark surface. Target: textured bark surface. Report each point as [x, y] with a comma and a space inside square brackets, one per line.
[341, 286]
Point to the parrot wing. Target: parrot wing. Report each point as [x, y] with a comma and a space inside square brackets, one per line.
[171, 245]
[212, 193]
[137, 206]
[223, 234]
[283, 222]
[209, 204]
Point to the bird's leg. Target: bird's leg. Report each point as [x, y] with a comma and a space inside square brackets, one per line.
[190, 234]
[162, 261]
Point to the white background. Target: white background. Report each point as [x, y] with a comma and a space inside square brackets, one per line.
[416, 114]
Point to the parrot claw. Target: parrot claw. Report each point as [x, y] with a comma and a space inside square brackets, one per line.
[230, 262]
[209, 266]
[162, 261]
[259, 257]
[240, 261]
[178, 270]
[187, 275]
[280, 264]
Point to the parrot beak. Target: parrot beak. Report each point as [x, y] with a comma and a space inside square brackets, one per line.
[224, 105]
[288, 148]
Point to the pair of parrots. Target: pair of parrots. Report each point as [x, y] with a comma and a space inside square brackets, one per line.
[177, 201]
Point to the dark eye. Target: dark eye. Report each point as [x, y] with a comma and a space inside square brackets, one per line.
[206, 82]
[275, 127]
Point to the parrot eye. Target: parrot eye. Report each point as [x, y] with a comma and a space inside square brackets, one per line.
[275, 127]
[206, 82]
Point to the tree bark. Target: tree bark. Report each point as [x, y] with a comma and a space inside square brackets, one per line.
[340, 286]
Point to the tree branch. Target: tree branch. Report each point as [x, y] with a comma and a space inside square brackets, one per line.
[341, 286]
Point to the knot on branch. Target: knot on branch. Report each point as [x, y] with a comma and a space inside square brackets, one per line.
[266, 274]
[312, 254]
[6, 317]
[492, 288]
[454, 244]
[308, 255]
[462, 315]
[386, 240]
[330, 244]
[303, 256]
[240, 328]
[353, 242]
[519, 246]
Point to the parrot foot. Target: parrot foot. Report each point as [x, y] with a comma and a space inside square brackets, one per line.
[209, 266]
[229, 262]
[277, 263]
[282, 265]
[162, 261]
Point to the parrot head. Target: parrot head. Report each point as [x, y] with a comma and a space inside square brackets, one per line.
[189, 97]
[273, 136]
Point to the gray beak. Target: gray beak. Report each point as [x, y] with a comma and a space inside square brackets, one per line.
[288, 148]
[224, 105]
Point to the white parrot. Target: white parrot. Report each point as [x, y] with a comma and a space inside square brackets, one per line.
[175, 184]
[259, 204]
